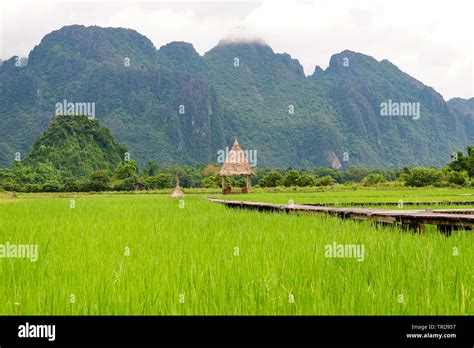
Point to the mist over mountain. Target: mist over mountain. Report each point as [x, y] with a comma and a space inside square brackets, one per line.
[172, 105]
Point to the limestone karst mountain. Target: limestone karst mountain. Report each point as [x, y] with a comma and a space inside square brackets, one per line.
[172, 105]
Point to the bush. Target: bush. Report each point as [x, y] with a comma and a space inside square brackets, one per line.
[126, 170]
[75, 185]
[99, 180]
[240, 182]
[126, 184]
[306, 180]
[32, 188]
[326, 180]
[419, 177]
[373, 179]
[165, 180]
[212, 181]
[11, 185]
[51, 186]
[291, 179]
[458, 178]
[272, 179]
[150, 182]
[159, 181]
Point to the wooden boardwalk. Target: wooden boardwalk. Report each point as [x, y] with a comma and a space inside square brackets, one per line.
[446, 220]
[368, 204]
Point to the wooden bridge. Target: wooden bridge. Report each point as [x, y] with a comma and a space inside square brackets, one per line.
[368, 204]
[447, 220]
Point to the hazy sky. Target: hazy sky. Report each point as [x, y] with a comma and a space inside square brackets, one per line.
[429, 39]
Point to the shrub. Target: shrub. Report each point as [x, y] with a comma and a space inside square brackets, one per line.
[51, 186]
[126, 184]
[159, 181]
[99, 180]
[11, 185]
[419, 177]
[291, 179]
[165, 180]
[373, 179]
[306, 180]
[326, 180]
[272, 179]
[75, 185]
[458, 178]
[211, 181]
[32, 188]
[126, 170]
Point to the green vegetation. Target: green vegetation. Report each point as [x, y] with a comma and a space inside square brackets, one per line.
[464, 162]
[348, 194]
[40, 174]
[265, 100]
[76, 154]
[76, 146]
[418, 177]
[143, 254]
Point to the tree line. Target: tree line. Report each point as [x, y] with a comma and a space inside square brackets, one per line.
[127, 176]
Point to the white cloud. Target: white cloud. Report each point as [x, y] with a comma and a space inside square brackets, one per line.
[431, 40]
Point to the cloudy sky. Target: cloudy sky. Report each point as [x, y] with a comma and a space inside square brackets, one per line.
[431, 40]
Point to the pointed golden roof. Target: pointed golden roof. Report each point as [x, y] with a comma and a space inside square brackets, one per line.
[236, 162]
[177, 192]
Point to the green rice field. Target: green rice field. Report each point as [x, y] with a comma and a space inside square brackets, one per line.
[149, 254]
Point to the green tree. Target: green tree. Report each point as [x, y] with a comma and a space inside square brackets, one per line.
[325, 181]
[306, 180]
[373, 179]
[470, 161]
[126, 170]
[459, 162]
[355, 174]
[151, 168]
[75, 185]
[99, 180]
[272, 179]
[52, 186]
[292, 178]
[165, 180]
[462, 162]
[126, 184]
[211, 181]
[11, 184]
[458, 178]
[418, 177]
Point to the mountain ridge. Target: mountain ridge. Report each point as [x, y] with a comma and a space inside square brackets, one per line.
[173, 105]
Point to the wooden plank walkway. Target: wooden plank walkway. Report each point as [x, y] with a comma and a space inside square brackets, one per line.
[368, 204]
[447, 220]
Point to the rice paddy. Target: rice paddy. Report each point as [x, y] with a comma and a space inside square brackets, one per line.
[149, 254]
